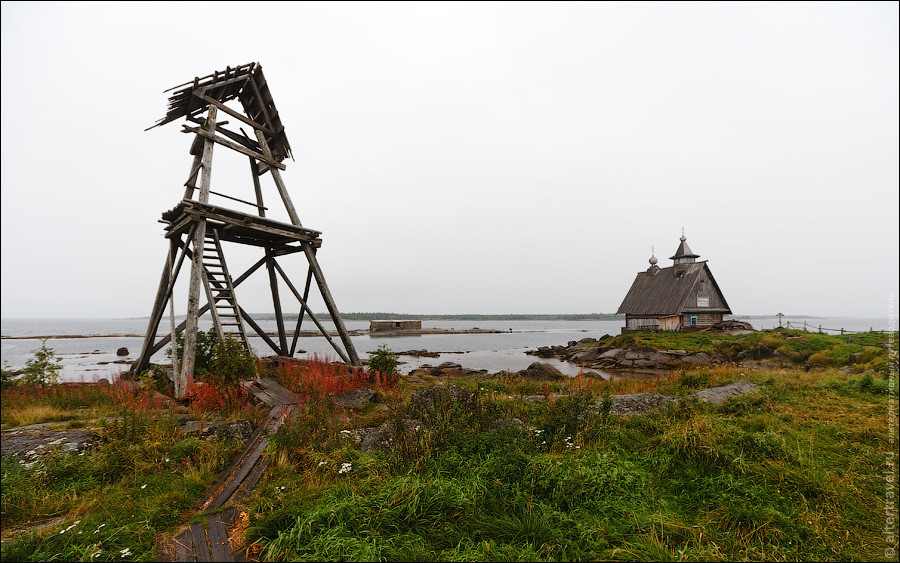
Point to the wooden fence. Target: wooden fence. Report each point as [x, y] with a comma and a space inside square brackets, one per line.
[810, 328]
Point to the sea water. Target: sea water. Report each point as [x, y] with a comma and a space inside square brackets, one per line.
[93, 354]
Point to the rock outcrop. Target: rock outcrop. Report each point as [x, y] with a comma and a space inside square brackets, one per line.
[593, 354]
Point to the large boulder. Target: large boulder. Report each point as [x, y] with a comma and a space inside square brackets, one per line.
[586, 356]
[385, 436]
[639, 403]
[541, 371]
[355, 398]
[718, 395]
[697, 358]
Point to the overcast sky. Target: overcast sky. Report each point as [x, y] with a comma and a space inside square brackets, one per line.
[468, 158]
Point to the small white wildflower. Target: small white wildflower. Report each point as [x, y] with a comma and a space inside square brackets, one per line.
[96, 553]
[281, 488]
[167, 460]
[144, 486]
[345, 468]
[98, 528]
[126, 551]
[321, 463]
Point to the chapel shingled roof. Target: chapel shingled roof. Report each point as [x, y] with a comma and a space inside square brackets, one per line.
[665, 292]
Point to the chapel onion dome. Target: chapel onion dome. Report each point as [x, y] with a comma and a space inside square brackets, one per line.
[653, 269]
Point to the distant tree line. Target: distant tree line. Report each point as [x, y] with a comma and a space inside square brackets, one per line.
[462, 317]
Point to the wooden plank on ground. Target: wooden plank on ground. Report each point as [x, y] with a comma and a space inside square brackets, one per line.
[184, 546]
[287, 396]
[235, 483]
[250, 482]
[218, 540]
[201, 549]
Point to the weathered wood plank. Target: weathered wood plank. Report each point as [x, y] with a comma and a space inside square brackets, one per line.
[201, 549]
[184, 546]
[190, 333]
[233, 146]
[309, 275]
[218, 540]
[288, 396]
[250, 446]
[236, 115]
[315, 319]
[279, 183]
[244, 471]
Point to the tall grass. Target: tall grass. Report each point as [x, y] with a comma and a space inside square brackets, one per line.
[761, 477]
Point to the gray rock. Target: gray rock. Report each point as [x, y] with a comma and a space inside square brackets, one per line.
[504, 423]
[659, 358]
[631, 355]
[32, 445]
[588, 355]
[697, 358]
[238, 429]
[718, 395]
[545, 367]
[611, 353]
[385, 436]
[355, 398]
[639, 403]
[200, 428]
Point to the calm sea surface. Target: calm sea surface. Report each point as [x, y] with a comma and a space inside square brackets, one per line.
[90, 358]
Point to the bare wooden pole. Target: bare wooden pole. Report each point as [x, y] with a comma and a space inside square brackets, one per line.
[273, 280]
[191, 183]
[175, 362]
[312, 315]
[309, 275]
[190, 333]
[311, 257]
[162, 294]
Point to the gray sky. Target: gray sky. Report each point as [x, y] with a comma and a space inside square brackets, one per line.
[468, 158]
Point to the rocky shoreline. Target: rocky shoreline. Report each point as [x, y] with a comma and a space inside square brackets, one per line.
[592, 353]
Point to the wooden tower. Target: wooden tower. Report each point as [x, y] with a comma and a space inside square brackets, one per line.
[196, 229]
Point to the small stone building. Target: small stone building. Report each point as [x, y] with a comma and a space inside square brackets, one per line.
[684, 296]
[386, 325]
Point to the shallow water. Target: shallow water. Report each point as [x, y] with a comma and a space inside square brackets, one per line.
[86, 359]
